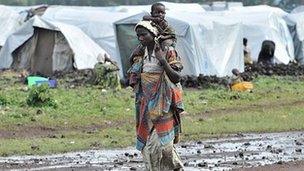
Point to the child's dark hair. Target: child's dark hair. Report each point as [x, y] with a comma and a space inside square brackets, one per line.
[245, 40]
[156, 5]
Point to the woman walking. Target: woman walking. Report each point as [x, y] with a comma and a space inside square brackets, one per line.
[155, 76]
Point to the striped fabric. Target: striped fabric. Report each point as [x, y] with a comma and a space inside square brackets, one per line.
[158, 102]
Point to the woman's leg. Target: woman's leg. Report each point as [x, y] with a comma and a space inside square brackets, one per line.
[159, 157]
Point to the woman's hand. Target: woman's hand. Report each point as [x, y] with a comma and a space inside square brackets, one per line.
[160, 54]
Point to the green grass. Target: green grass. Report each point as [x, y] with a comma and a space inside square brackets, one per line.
[87, 118]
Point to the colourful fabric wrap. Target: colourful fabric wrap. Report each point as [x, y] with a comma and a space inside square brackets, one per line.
[242, 86]
[157, 101]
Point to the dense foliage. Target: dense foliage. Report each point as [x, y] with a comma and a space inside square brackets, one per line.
[40, 96]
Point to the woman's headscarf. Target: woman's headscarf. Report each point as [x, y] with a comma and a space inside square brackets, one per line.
[149, 26]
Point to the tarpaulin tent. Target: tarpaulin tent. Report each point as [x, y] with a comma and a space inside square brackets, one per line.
[97, 22]
[135, 9]
[10, 21]
[46, 46]
[28, 12]
[298, 9]
[209, 46]
[263, 23]
[296, 23]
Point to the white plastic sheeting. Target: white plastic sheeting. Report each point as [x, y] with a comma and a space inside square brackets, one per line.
[263, 23]
[97, 22]
[258, 9]
[298, 9]
[23, 10]
[209, 46]
[85, 50]
[10, 21]
[298, 19]
[296, 23]
[183, 7]
[135, 9]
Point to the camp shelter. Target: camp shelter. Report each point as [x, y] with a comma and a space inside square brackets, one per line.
[9, 22]
[298, 9]
[42, 46]
[97, 24]
[209, 46]
[135, 9]
[263, 23]
[26, 12]
[183, 7]
[296, 26]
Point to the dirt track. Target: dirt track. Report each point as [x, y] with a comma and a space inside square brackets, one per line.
[289, 166]
[237, 151]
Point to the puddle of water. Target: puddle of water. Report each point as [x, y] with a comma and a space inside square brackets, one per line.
[248, 150]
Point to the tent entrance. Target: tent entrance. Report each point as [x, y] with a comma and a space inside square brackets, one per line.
[42, 61]
[45, 52]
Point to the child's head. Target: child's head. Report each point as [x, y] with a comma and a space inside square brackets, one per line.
[245, 41]
[158, 10]
[235, 72]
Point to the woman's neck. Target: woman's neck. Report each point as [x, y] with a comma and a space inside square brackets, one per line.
[150, 48]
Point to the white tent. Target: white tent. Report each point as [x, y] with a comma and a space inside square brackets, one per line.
[258, 9]
[209, 46]
[84, 51]
[263, 23]
[24, 11]
[183, 7]
[296, 23]
[97, 22]
[298, 9]
[135, 9]
[10, 21]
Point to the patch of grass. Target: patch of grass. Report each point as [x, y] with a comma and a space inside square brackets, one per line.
[268, 119]
[87, 118]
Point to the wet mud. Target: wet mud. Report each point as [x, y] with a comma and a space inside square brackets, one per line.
[236, 151]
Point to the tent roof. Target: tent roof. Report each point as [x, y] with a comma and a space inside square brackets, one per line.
[259, 8]
[262, 24]
[181, 21]
[298, 9]
[210, 46]
[298, 20]
[96, 23]
[183, 7]
[9, 22]
[98, 20]
[85, 50]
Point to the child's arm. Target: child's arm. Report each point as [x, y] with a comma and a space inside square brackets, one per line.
[153, 19]
[147, 17]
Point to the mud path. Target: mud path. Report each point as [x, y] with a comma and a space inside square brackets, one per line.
[242, 150]
[285, 166]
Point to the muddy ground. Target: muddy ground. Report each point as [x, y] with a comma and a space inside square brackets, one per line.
[288, 166]
[237, 151]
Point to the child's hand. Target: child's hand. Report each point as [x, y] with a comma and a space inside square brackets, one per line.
[156, 20]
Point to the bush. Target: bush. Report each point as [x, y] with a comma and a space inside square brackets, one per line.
[3, 101]
[40, 96]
